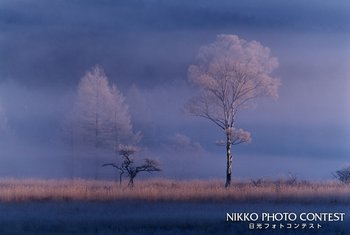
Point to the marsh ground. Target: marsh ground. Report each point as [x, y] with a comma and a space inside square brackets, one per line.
[136, 217]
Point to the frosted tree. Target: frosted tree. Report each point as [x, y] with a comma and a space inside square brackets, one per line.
[230, 73]
[100, 116]
[122, 128]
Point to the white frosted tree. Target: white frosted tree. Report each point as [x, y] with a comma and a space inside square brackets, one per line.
[92, 108]
[100, 118]
[230, 73]
[119, 111]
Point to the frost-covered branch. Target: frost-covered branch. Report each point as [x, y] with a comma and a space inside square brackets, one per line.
[236, 136]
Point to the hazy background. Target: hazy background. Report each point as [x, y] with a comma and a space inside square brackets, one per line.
[146, 47]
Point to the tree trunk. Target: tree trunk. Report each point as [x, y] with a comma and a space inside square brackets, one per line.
[96, 143]
[120, 178]
[228, 162]
[131, 182]
[96, 164]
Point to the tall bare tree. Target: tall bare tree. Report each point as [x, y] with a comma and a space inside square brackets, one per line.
[230, 73]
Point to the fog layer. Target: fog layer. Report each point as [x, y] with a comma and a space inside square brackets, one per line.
[145, 47]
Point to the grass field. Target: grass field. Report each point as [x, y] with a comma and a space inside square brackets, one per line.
[24, 190]
[33, 206]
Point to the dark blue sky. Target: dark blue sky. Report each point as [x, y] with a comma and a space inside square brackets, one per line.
[50, 43]
[146, 47]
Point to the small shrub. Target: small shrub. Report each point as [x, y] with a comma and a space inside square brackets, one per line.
[343, 175]
[292, 179]
[257, 182]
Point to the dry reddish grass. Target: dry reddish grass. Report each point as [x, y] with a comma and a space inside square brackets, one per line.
[23, 190]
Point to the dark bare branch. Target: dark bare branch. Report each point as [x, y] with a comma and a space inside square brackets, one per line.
[128, 166]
